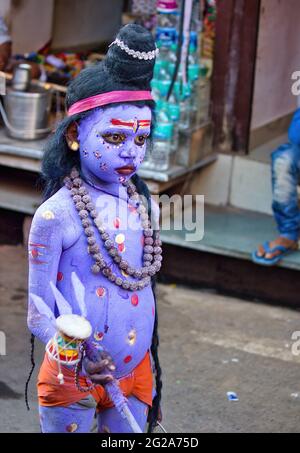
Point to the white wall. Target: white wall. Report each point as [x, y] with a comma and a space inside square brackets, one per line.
[31, 24]
[5, 10]
[69, 23]
[277, 58]
[78, 22]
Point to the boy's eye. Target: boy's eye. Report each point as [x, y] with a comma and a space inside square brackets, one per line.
[140, 140]
[114, 139]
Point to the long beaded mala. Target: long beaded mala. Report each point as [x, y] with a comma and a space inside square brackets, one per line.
[78, 367]
[152, 255]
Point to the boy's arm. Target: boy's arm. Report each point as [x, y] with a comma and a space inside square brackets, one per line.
[44, 252]
[294, 129]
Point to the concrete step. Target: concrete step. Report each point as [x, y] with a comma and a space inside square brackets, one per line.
[240, 181]
[233, 233]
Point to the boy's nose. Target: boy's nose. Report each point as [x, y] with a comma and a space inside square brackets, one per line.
[128, 151]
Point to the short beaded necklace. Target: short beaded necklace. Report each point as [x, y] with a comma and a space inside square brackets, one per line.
[152, 256]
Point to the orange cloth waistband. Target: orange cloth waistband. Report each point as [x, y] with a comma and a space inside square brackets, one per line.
[138, 383]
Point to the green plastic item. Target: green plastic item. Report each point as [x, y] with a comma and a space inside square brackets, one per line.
[159, 104]
[154, 84]
[157, 68]
[174, 47]
[194, 71]
[203, 71]
[192, 48]
[174, 112]
[163, 87]
[163, 131]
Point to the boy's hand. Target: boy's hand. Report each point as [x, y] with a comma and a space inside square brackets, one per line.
[99, 371]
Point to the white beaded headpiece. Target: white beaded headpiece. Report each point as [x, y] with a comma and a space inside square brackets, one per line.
[136, 53]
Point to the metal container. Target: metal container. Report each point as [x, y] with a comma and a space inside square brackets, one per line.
[26, 113]
[21, 77]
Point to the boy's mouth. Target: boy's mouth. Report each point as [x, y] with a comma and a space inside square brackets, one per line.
[126, 170]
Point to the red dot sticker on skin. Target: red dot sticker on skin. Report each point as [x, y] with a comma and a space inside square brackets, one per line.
[60, 276]
[127, 359]
[99, 336]
[132, 208]
[34, 253]
[142, 241]
[134, 300]
[121, 247]
[117, 222]
[100, 291]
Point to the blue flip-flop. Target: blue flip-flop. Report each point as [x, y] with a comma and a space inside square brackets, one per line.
[272, 261]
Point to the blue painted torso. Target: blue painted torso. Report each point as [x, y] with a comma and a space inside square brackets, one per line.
[122, 320]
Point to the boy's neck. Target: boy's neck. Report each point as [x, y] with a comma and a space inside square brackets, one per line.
[112, 188]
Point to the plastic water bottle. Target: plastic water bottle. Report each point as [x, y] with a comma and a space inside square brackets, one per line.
[196, 19]
[183, 97]
[193, 75]
[161, 71]
[172, 109]
[161, 156]
[167, 25]
[172, 57]
[174, 115]
[147, 162]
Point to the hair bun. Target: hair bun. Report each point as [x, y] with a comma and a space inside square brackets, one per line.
[123, 66]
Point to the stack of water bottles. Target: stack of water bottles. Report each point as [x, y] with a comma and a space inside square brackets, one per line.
[176, 116]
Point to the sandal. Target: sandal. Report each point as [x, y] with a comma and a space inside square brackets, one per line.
[271, 261]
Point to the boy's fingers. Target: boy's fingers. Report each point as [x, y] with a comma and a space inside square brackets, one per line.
[101, 378]
[93, 368]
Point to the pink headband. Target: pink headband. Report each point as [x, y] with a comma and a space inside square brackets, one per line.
[108, 98]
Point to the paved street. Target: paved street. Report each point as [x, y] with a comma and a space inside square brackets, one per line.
[210, 345]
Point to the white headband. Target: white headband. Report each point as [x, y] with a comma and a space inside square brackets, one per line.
[135, 53]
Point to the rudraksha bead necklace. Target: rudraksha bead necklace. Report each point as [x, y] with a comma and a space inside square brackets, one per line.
[152, 256]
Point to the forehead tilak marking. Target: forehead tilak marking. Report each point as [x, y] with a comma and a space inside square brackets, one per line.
[133, 124]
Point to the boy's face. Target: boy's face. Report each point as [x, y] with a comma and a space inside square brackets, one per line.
[113, 142]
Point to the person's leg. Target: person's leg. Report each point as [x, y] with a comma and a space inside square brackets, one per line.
[285, 177]
[110, 420]
[76, 418]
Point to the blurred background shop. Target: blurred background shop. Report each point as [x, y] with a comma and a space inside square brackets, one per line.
[221, 110]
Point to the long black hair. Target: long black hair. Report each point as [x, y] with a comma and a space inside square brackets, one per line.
[154, 414]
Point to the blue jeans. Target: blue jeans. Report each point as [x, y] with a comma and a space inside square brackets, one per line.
[285, 178]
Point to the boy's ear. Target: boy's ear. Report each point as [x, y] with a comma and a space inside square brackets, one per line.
[72, 137]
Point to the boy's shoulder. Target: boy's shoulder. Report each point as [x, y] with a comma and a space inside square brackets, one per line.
[55, 207]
